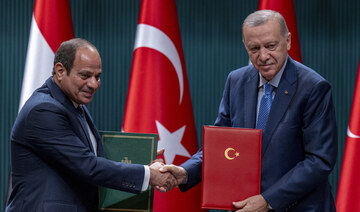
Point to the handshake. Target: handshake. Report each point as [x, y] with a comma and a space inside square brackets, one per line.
[165, 177]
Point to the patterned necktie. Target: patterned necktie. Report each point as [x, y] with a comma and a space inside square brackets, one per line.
[265, 105]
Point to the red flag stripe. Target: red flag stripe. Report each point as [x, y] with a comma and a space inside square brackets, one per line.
[54, 21]
[287, 10]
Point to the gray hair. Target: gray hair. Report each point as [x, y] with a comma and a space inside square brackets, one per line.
[260, 17]
[67, 51]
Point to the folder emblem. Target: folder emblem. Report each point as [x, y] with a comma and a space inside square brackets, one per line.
[226, 153]
[126, 160]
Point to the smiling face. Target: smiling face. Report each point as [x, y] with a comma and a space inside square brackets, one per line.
[83, 80]
[267, 47]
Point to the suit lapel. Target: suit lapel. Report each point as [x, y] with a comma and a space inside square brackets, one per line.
[83, 123]
[284, 93]
[95, 132]
[250, 100]
[79, 128]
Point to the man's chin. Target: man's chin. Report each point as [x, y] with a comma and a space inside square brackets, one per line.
[86, 101]
[266, 69]
[268, 74]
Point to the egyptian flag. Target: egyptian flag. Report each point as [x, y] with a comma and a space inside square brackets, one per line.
[51, 24]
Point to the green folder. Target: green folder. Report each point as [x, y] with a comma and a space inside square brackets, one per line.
[134, 148]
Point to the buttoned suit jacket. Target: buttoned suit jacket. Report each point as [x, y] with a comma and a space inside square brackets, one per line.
[54, 167]
[300, 139]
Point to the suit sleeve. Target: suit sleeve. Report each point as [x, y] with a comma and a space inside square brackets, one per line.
[50, 135]
[319, 137]
[193, 167]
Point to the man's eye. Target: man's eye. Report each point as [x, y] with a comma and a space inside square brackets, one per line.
[254, 49]
[271, 46]
[84, 76]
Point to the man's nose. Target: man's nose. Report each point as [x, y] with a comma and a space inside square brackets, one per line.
[263, 54]
[93, 83]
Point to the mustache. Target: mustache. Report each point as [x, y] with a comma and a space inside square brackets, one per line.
[264, 63]
[89, 90]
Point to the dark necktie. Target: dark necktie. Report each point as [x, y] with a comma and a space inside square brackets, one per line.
[91, 141]
[81, 111]
[265, 105]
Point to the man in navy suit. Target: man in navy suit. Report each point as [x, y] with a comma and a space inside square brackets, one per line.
[56, 151]
[299, 146]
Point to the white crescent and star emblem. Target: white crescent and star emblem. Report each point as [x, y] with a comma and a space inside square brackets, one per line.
[151, 37]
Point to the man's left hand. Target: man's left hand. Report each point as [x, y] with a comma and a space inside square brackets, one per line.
[158, 154]
[252, 204]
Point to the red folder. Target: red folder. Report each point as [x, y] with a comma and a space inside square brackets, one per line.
[231, 166]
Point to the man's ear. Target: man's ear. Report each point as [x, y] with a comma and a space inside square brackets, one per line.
[60, 71]
[288, 41]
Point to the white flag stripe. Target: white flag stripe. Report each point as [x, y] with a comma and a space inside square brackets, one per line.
[152, 37]
[39, 63]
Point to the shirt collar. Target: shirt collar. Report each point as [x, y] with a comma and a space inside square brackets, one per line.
[274, 81]
[76, 105]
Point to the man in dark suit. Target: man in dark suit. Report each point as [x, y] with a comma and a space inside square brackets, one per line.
[299, 146]
[56, 151]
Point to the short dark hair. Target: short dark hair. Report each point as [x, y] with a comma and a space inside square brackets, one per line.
[67, 51]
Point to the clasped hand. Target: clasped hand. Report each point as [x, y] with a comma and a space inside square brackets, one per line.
[165, 177]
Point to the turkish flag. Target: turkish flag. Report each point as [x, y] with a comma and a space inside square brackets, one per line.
[287, 10]
[51, 25]
[158, 98]
[348, 194]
